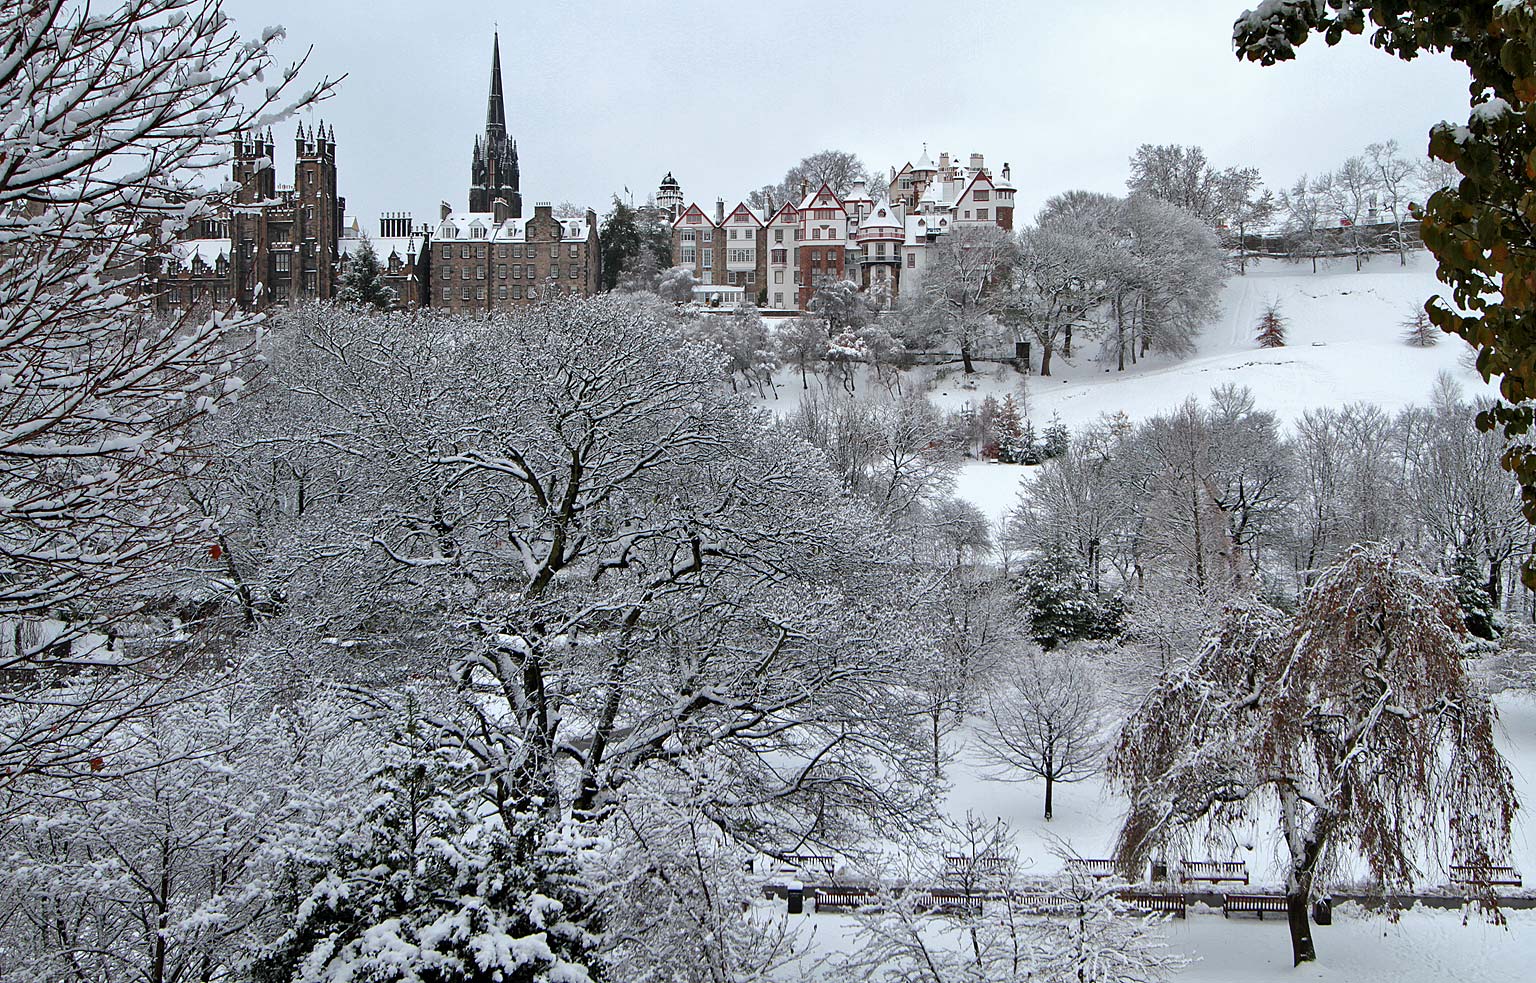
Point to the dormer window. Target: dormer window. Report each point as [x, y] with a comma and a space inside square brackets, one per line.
[477, 232]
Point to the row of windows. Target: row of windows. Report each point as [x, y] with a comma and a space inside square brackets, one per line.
[467, 251]
[519, 271]
[501, 293]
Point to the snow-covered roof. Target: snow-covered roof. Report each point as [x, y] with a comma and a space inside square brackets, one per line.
[920, 227]
[923, 162]
[461, 225]
[882, 217]
[208, 250]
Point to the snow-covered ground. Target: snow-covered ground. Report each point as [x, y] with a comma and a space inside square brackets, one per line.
[1423, 946]
[1344, 344]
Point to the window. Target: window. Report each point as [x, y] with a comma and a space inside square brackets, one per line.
[464, 273]
[517, 271]
[447, 253]
[967, 213]
[531, 271]
[815, 233]
[779, 255]
[574, 251]
[501, 271]
[799, 234]
[911, 260]
[464, 251]
[826, 213]
[709, 258]
[284, 261]
[905, 184]
[477, 232]
[709, 235]
[730, 278]
[479, 273]
[447, 294]
[517, 251]
[689, 255]
[479, 293]
[981, 213]
[742, 256]
[554, 251]
[463, 293]
[797, 278]
[501, 292]
[575, 271]
[501, 252]
[778, 299]
[517, 292]
[751, 276]
[880, 250]
[689, 235]
[980, 195]
[815, 257]
[778, 276]
[778, 235]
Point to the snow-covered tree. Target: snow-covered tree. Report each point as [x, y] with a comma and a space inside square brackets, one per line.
[429, 885]
[115, 113]
[802, 343]
[1043, 723]
[1062, 605]
[363, 281]
[1356, 720]
[1418, 330]
[1394, 178]
[841, 305]
[677, 284]
[1270, 331]
[963, 282]
[1056, 279]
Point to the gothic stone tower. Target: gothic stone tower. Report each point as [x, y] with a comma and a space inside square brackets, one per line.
[317, 212]
[494, 174]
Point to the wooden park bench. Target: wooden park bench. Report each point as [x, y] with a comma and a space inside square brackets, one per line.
[1485, 876]
[957, 866]
[811, 862]
[1176, 905]
[1213, 871]
[1097, 869]
[1253, 903]
[843, 900]
[1043, 902]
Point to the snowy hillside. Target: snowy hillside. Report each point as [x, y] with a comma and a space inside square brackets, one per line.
[1345, 344]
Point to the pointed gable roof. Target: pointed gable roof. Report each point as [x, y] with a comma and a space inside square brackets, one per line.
[741, 211]
[823, 198]
[693, 209]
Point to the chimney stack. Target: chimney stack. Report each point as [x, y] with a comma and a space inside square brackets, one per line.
[978, 163]
[719, 211]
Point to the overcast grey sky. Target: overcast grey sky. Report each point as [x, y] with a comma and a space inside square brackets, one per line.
[613, 93]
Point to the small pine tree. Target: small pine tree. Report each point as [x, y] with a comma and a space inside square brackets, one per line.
[1008, 426]
[363, 283]
[1055, 438]
[1418, 331]
[1272, 327]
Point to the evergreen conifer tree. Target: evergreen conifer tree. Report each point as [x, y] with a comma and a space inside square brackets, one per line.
[1271, 327]
[431, 885]
[363, 283]
[1477, 607]
[1061, 604]
[1055, 438]
[621, 245]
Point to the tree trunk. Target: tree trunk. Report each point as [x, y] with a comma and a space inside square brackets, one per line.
[1050, 787]
[1066, 342]
[965, 357]
[1297, 895]
[1045, 360]
[938, 711]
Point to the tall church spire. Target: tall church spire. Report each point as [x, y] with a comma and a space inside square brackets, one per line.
[494, 172]
[495, 113]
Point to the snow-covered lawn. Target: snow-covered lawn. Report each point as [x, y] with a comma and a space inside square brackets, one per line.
[1423, 946]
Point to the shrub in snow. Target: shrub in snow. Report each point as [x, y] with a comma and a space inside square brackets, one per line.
[434, 886]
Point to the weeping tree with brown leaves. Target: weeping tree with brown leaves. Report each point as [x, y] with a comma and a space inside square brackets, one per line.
[1355, 720]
